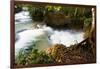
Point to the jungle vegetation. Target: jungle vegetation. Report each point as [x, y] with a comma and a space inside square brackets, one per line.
[72, 17]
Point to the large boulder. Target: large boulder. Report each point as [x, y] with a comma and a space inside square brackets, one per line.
[63, 54]
[72, 54]
[56, 19]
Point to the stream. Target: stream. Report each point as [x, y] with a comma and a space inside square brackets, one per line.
[43, 36]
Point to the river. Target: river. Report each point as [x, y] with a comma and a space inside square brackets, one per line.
[26, 32]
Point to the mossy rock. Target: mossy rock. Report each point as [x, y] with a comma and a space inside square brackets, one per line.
[70, 55]
[56, 19]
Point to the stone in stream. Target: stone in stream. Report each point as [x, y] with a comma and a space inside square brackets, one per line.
[57, 19]
[17, 36]
[21, 30]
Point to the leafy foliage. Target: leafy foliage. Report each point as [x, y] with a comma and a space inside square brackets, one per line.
[41, 10]
[80, 17]
[87, 27]
[30, 55]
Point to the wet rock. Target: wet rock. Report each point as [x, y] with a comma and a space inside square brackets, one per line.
[57, 19]
[16, 37]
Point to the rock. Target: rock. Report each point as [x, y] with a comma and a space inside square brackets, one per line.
[69, 55]
[57, 19]
[16, 37]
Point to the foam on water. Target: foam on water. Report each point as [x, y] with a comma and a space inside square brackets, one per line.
[66, 37]
[43, 36]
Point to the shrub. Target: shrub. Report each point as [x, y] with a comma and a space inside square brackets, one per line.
[87, 27]
[31, 56]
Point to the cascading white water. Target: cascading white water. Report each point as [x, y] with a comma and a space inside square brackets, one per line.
[42, 36]
[38, 37]
[66, 37]
[23, 16]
